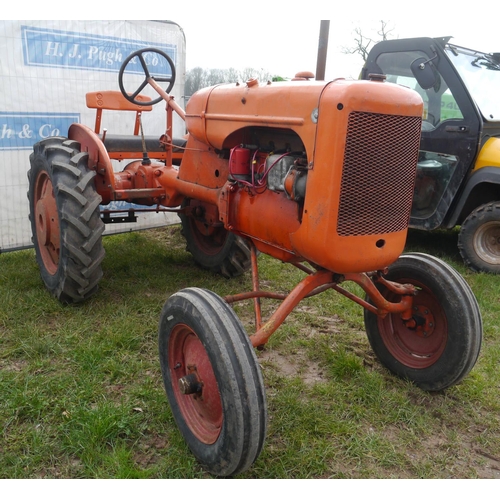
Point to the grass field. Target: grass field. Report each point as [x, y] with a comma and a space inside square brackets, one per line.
[82, 395]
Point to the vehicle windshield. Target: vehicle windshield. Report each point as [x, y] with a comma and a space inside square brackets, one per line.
[481, 74]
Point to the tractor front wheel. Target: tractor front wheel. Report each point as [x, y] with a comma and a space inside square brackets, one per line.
[479, 239]
[441, 345]
[212, 380]
[65, 219]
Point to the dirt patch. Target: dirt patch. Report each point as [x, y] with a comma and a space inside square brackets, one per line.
[150, 450]
[491, 467]
[17, 365]
[292, 366]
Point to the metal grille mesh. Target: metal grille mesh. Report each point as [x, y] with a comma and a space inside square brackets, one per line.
[378, 173]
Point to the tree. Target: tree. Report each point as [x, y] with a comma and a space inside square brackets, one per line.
[195, 79]
[362, 43]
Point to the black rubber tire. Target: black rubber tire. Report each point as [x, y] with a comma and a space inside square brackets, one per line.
[71, 272]
[198, 315]
[479, 239]
[457, 325]
[222, 252]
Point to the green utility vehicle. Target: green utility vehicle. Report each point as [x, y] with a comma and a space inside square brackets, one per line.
[458, 175]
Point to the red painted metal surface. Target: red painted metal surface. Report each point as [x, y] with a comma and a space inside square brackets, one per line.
[47, 222]
[202, 410]
[256, 286]
[416, 345]
[401, 303]
[307, 285]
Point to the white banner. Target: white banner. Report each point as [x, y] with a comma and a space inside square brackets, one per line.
[46, 68]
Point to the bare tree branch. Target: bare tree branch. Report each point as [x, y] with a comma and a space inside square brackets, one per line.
[384, 32]
[362, 43]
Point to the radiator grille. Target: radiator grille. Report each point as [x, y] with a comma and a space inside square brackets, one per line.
[378, 173]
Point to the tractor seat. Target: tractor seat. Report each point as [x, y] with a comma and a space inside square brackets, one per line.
[128, 146]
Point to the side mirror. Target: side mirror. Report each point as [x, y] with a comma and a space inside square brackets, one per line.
[423, 72]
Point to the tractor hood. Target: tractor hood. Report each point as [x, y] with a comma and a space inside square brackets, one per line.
[213, 113]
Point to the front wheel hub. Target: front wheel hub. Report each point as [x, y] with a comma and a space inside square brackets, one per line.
[422, 322]
[47, 223]
[190, 384]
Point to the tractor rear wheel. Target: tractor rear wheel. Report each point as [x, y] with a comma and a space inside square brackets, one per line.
[65, 219]
[442, 349]
[215, 248]
[479, 239]
[212, 380]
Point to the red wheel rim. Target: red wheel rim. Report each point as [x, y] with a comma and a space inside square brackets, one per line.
[422, 346]
[47, 223]
[202, 411]
[208, 238]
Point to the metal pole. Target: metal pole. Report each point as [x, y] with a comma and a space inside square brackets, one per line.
[322, 49]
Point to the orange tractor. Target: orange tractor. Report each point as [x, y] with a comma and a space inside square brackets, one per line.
[319, 175]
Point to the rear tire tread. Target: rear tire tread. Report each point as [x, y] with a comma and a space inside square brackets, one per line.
[490, 212]
[80, 226]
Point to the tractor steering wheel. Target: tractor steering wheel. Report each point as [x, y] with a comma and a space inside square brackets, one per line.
[150, 59]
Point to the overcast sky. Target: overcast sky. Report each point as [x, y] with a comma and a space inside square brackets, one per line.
[281, 36]
[283, 39]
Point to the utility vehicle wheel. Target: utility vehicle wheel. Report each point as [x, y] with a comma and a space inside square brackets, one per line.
[444, 346]
[212, 380]
[65, 220]
[214, 248]
[479, 239]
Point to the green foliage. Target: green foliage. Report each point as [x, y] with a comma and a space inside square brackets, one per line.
[82, 394]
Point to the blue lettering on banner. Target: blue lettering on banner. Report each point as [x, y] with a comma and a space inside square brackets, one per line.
[22, 130]
[54, 48]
